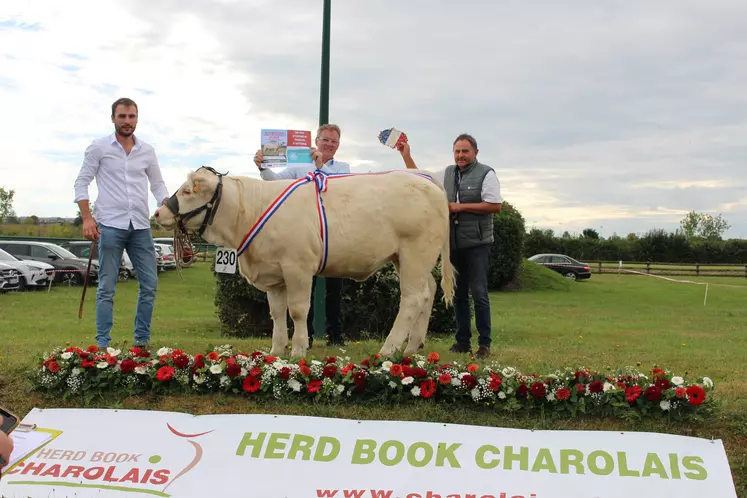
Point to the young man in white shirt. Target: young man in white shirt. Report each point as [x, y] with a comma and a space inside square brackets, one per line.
[323, 155]
[474, 194]
[122, 166]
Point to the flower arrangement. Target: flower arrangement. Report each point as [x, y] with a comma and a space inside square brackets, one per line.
[626, 393]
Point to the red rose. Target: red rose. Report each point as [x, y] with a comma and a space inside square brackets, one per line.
[127, 366]
[302, 363]
[232, 370]
[359, 378]
[330, 359]
[92, 349]
[314, 386]
[53, 367]
[252, 384]
[522, 390]
[255, 372]
[469, 381]
[538, 390]
[563, 394]
[580, 388]
[213, 355]
[663, 384]
[177, 352]
[181, 361]
[229, 361]
[680, 392]
[427, 388]
[165, 373]
[329, 371]
[257, 354]
[164, 359]
[653, 393]
[495, 382]
[696, 395]
[657, 373]
[434, 358]
[365, 363]
[419, 373]
[407, 371]
[445, 379]
[285, 373]
[632, 393]
[395, 370]
[305, 370]
[199, 361]
[87, 363]
[596, 386]
[270, 359]
[111, 360]
[406, 360]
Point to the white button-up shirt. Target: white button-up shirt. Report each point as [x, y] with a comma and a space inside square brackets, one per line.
[296, 172]
[122, 182]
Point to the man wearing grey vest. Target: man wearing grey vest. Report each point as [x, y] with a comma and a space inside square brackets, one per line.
[474, 194]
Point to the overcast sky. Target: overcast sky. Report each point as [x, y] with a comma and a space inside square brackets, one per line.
[620, 116]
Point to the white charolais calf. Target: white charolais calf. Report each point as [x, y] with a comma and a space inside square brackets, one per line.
[372, 219]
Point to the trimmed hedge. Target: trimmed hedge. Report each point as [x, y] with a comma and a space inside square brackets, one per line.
[370, 307]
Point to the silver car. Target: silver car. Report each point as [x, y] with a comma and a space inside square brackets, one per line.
[9, 279]
[30, 273]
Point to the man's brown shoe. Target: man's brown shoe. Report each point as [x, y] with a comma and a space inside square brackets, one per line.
[483, 352]
[460, 348]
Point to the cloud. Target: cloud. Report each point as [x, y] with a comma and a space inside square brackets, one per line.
[617, 115]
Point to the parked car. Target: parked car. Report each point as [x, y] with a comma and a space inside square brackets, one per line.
[30, 273]
[565, 265]
[68, 267]
[9, 279]
[164, 257]
[82, 249]
[188, 251]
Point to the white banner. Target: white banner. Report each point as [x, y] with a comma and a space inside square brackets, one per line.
[139, 453]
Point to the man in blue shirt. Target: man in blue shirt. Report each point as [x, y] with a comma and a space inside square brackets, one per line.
[323, 155]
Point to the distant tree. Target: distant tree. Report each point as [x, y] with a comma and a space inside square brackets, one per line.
[566, 235]
[703, 226]
[78, 221]
[31, 220]
[632, 237]
[12, 219]
[590, 233]
[6, 202]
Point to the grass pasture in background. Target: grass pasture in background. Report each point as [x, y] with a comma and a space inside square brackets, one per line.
[607, 321]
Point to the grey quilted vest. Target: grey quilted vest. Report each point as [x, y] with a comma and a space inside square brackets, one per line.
[468, 229]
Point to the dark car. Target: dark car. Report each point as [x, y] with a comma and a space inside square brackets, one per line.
[68, 267]
[82, 249]
[565, 265]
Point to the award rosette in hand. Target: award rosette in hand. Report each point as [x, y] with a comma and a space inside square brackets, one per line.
[392, 137]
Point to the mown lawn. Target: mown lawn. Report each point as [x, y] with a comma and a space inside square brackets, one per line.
[608, 321]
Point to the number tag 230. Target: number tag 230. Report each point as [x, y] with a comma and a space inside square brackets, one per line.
[225, 260]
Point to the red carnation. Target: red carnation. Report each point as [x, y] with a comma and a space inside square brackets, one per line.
[663, 384]
[395, 370]
[165, 373]
[427, 388]
[653, 393]
[53, 367]
[563, 394]
[213, 355]
[406, 360]
[314, 386]
[127, 366]
[419, 373]
[434, 358]
[251, 384]
[365, 363]
[538, 390]
[181, 360]
[469, 381]
[164, 359]
[596, 386]
[495, 382]
[87, 364]
[696, 395]
[444, 379]
[270, 359]
[177, 352]
[285, 373]
[329, 371]
[330, 359]
[305, 370]
[232, 369]
[359, 378]
[657, 373]
[632, 393]
[522, 390]
[92, 349]
[680, 392]
[257, 354]
[407, 371]
[199, 361]
[255, 372]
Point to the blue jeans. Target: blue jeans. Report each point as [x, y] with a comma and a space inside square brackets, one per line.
[472, 267]
[142, 252]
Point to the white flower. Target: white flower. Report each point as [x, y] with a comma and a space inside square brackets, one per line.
[392, 384]
[67, 356]
[407, 380]
[141, 370]
[415, 391]
[509, 390]
[244, 372]
[386, 365]
[707, 382]
[421, 364]
[316, 362]
[102, 365]
[463, 374]
[224, 380]
[607, 386]
[550, 396]
[113, 352]
[340, 389]
[475, 393]
[199, 379]
[295, 385]
[508, 372]
[76, 371]
[163, 351]
[665, 405]
[678, 381]
[502, 395]
[216, 369]
[456, 381]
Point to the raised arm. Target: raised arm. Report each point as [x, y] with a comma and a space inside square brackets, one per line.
[404, 150]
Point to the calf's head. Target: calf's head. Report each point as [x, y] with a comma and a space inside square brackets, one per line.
[193, 207]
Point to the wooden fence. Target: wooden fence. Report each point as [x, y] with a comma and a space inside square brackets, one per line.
[692, 269]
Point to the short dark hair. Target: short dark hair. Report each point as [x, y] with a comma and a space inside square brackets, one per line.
[467, 137]
[123, 101]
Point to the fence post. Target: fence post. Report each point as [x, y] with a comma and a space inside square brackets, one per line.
[600, 267]
[745, 271]
[697, 268]
[648, 267]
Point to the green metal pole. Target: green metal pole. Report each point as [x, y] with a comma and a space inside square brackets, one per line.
[319, 294]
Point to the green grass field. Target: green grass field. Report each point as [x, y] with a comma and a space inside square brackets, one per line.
[608, 321]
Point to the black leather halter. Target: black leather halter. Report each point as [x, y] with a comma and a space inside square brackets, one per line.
[210, 208]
